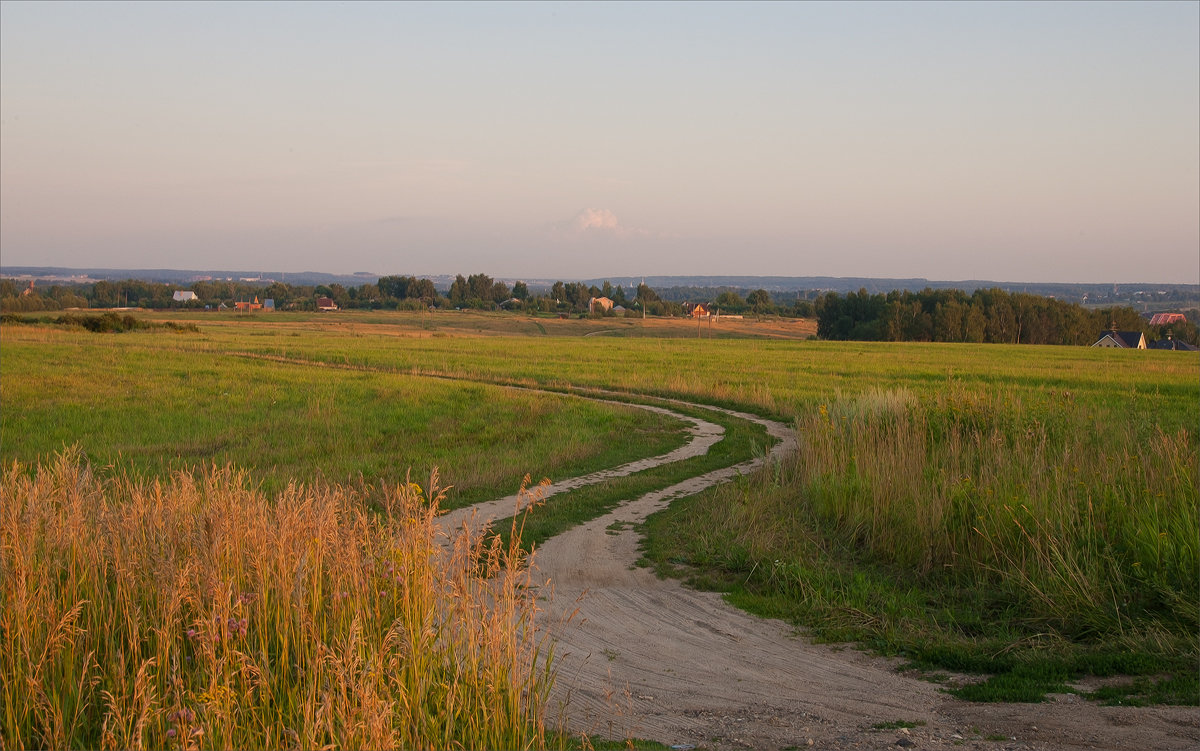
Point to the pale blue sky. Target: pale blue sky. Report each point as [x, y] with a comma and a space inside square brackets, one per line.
[1009, 141]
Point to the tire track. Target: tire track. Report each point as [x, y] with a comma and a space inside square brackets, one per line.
[641, 657]
[637, 656]
[704, 435]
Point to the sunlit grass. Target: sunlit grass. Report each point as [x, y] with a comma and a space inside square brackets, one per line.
[1012, 532]
[199, 612]
[154, 404]
[1027, 511]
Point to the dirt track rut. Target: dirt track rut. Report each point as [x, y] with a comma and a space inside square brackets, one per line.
[640, 657]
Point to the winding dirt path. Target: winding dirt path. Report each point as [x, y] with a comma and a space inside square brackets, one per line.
[642, 657]
[704, 435]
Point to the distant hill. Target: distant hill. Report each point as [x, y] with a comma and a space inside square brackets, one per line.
[182, 276]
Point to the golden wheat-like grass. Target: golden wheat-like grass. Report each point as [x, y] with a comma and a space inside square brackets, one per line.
[198, 613]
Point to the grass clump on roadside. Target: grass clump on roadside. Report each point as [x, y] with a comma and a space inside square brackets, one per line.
[1005, 533]
[198, 612]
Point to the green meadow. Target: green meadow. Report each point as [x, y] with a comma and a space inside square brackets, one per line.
[154, 402]
[1026, 514]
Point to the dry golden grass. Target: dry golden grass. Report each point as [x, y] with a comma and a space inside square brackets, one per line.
[198, 613]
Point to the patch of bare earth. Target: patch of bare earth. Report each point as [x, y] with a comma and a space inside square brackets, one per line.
[642, 657]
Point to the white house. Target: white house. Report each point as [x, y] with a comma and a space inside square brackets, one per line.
[184, 296]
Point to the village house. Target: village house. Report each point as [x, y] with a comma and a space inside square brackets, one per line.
[599, 305]
[1162, 319]
[1174, 344]
[246, 305]
[1122, 339]
[696, 310]
[326, 303]
[184, 295]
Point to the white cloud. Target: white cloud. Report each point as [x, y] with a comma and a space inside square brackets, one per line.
[596, 224]
[596, 219]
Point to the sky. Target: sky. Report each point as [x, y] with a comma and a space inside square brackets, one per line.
[1055, 142]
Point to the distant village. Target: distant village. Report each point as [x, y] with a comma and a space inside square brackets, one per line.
[935, 315]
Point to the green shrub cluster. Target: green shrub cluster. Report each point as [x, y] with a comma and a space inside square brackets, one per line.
[100, 322]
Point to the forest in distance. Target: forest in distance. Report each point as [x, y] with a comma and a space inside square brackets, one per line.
[935, 315]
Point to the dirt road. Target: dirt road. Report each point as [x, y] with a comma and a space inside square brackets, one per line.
[647, 658]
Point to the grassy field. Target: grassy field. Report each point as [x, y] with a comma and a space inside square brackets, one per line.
[154, 403]
[784, 377]
[198, 612]
[473, 323]
[1027, 513]
[1008, 533]
[1045, 498]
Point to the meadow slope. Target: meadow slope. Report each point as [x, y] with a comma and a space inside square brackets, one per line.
[1017, 522]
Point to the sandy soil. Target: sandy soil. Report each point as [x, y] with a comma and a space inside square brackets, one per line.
[703, 436]
[640, 657]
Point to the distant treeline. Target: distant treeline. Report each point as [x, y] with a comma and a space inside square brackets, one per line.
[478, 291]
[482, 292]
[992, 315]
[942, 315]
[134, 293]
[809, 287]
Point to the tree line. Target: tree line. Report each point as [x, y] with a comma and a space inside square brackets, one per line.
[482, 292]
[992, 315]
[478, 291]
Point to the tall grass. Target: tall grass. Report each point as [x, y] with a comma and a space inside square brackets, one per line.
[1086, 524]
[197, 612]
[1033, 537]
